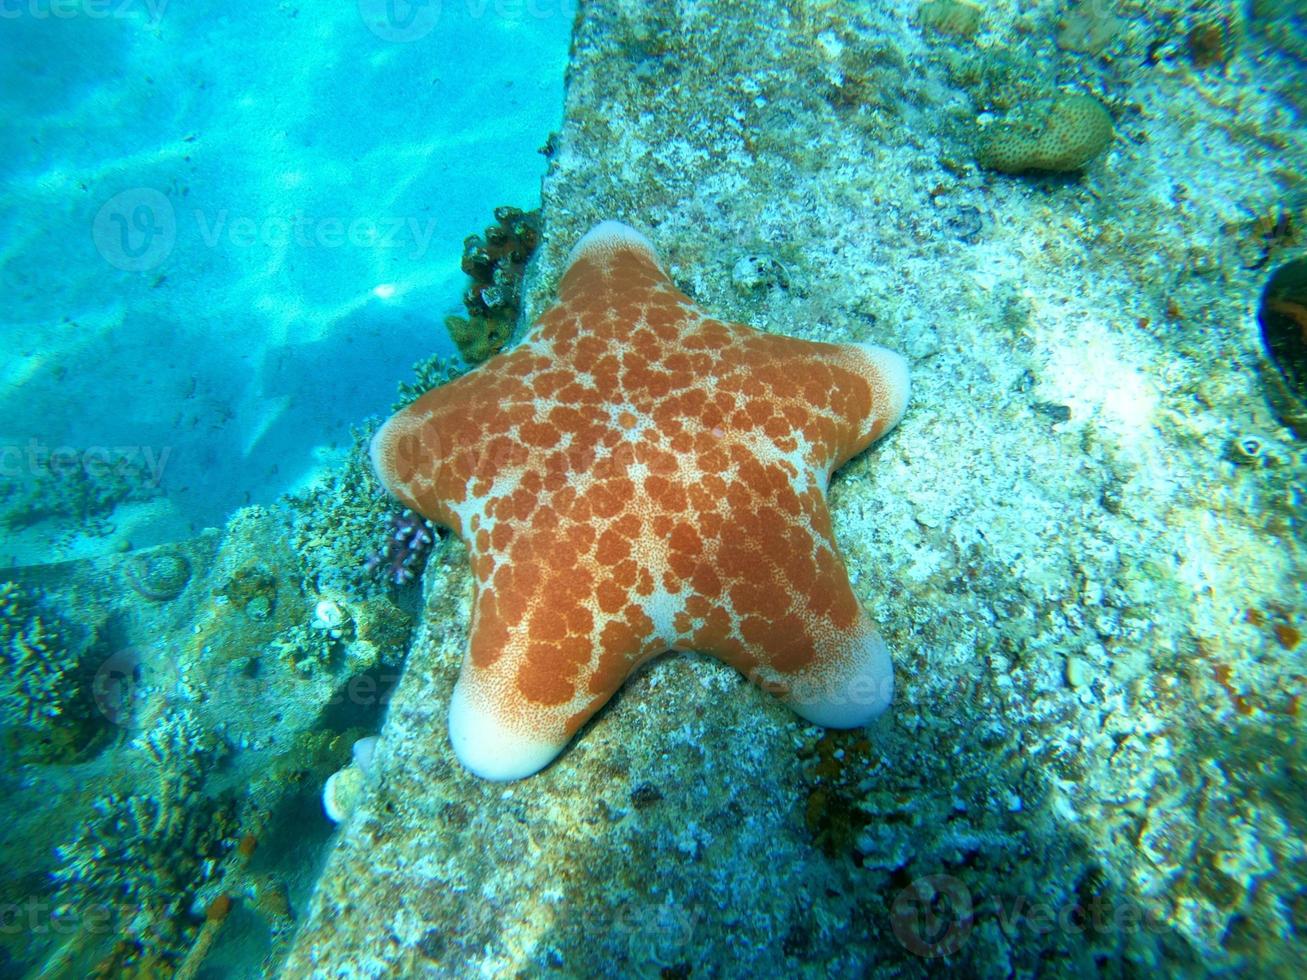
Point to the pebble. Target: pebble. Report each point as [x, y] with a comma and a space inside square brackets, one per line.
[754, 273]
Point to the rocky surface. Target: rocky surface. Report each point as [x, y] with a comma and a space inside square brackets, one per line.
[1091, 585]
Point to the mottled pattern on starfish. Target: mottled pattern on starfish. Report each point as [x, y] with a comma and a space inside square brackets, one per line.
[637, 477]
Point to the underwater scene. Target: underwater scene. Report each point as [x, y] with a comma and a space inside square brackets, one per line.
[674, 489]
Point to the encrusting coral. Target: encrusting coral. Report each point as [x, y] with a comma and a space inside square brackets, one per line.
[496, 262]
[950, 17]
[1056, 135]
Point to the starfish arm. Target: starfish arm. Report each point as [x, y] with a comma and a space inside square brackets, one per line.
[776, 603]
[436, 454]
[610, 261]
[542, 658]
[803, 395]
[833, 676]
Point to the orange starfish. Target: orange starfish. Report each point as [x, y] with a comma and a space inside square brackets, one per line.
[637, 477]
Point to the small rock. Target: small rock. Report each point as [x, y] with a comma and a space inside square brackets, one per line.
[757, 272]
[1054, 411]
[1112, 496]
[1077, 673]
[646, 794]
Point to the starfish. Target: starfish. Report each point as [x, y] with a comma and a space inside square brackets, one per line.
[637, 477]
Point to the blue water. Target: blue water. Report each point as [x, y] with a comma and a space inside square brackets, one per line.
[227, 230]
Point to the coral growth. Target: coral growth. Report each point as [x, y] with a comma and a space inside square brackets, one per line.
[1058, 135]
[1090, 27]
[143, 856]
[431, 373]
[336, 523]
[950, 17]
[1210, 43]
[44, 703]
[496, 262]
[838, 760]
[82, 486]
[339, 519]
[408, 546]
[317, 644]
[33, 650]
[253, 589]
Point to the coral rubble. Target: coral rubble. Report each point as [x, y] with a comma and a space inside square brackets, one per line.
[85, 487]
[156, 735]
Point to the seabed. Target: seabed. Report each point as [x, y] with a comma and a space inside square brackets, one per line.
[1083, 544]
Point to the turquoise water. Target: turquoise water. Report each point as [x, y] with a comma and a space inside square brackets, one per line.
[233, 228]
